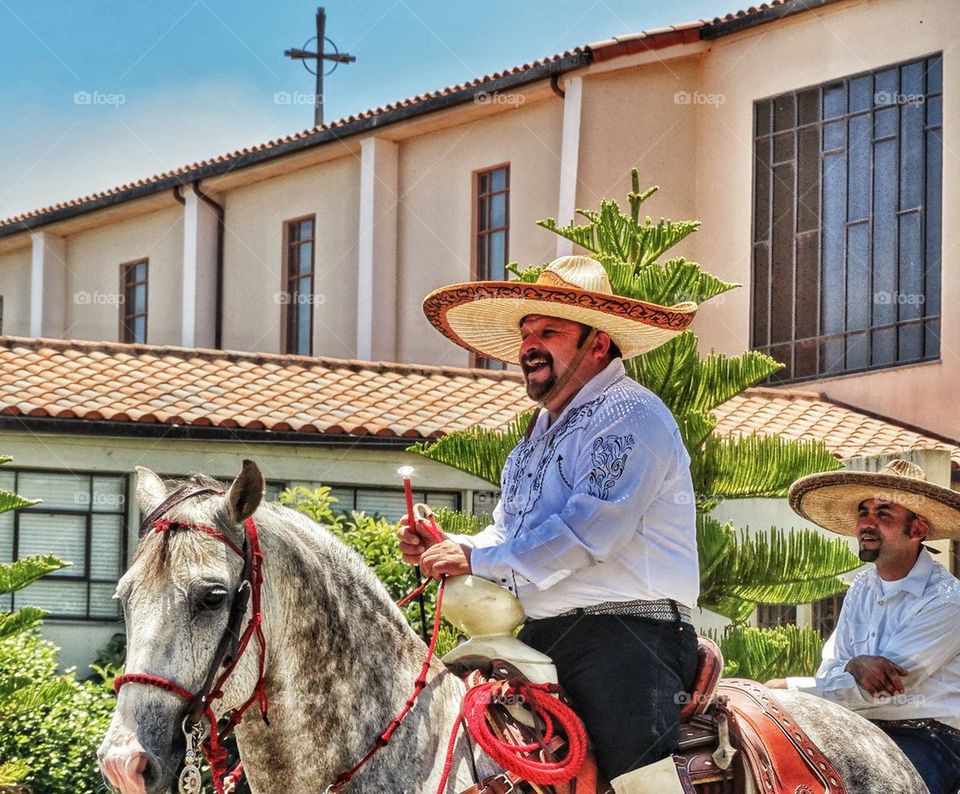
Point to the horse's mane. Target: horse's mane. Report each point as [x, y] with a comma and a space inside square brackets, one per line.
[290, 525]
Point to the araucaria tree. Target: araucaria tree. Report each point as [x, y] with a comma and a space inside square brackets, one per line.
[739, 569]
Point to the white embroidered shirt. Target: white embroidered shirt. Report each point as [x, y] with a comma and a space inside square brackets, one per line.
[596, 507]
[915, 623]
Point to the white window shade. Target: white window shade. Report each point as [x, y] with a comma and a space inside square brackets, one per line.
[63, 536]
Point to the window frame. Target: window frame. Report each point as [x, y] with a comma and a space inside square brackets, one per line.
[127, 332]
[419, 494]
[288, 305]
[480, 238]
[810, 354]
[820, 623]
[87, 579]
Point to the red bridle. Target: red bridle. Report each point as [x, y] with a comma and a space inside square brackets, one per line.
[227, 655]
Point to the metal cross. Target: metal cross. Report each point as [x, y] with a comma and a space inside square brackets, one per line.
[305, 55]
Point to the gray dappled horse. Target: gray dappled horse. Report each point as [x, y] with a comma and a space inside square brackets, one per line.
[340, 662]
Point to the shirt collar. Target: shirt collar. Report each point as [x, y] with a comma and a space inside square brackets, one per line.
[591, 389]
[915, 582]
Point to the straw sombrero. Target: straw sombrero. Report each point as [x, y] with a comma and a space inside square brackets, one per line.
[832, 499]
[484, 316]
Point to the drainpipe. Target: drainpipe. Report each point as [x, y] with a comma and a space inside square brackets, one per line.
[178, 194]
[218, 319]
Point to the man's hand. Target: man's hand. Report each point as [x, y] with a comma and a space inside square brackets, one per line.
[446, 557]
[776, 683]
[877, 674]
[413, 542]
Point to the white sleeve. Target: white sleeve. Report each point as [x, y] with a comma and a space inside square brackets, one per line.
[620, 471]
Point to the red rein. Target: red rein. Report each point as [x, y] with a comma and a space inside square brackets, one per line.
[213, 748]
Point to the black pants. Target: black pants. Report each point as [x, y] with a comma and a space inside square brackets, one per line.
[935, 754]
[626, 678]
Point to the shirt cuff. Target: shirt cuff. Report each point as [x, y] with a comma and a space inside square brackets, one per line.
[483, 565]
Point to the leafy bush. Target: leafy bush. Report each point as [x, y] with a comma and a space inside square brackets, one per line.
[50, 724]
[762, 654]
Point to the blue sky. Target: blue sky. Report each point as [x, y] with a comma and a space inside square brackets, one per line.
[101, 92]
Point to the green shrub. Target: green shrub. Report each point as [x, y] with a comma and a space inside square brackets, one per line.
[51, 724]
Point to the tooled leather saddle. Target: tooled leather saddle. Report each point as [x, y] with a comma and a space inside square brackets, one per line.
[735, 737]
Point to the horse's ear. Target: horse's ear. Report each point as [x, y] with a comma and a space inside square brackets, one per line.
[245, 494]
[150, 490]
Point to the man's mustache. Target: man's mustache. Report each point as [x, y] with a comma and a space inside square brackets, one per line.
[534, 355]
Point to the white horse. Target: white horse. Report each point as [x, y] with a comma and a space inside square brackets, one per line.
[340, 661]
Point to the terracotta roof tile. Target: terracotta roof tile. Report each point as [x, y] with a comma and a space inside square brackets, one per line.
[807, 415]
[153, 385]
[82, 380]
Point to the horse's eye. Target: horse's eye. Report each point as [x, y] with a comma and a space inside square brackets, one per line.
[213, 600]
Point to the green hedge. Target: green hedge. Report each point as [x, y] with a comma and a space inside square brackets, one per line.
[50, 724]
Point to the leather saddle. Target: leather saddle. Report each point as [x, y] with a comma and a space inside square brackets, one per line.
[734, 734]
[734, 738]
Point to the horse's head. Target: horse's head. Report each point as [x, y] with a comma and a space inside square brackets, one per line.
[177, 598]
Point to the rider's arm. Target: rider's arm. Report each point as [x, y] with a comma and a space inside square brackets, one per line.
[621, 470]
[490, 536]
[921, 645]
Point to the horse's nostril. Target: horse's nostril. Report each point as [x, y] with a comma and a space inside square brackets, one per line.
[151, 772]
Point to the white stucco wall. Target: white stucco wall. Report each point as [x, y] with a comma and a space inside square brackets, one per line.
[93, 294]
[253, 256]
[15, 289]
[847, 38]
[435, 223]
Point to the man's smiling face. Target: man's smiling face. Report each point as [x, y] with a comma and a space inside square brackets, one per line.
[883, 528]
[548, 345]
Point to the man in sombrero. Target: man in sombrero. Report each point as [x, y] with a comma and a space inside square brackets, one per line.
[895, 654]
[595, 528]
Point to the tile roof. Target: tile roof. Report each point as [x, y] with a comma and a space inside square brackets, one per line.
[846, 431]
[422, 103]
[153, 385]
[148, 384]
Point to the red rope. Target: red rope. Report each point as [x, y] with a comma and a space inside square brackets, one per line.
[519, 758]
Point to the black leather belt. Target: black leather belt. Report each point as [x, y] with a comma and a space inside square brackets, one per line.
[663, 609]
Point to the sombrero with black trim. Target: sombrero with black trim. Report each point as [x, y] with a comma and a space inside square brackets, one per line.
[832, 499]
[484, 316]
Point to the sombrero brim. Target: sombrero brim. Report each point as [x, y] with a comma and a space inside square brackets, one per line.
[485, 317]
[831, 500]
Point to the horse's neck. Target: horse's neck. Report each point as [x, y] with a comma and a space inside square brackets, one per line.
[341, 662]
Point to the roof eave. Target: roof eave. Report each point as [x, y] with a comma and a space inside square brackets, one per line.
[762, 16]
[177, 432]
[358, 126]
